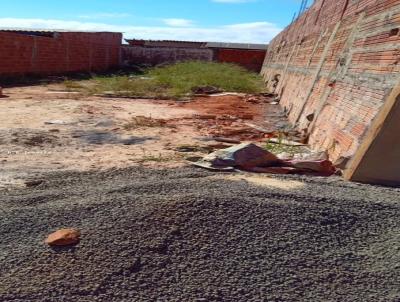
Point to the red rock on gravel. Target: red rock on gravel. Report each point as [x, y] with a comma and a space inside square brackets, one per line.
[63, 237]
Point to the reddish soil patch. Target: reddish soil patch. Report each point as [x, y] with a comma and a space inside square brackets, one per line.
[221, 106]
[234, 117]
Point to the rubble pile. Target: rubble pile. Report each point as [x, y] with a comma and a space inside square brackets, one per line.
[252, 158]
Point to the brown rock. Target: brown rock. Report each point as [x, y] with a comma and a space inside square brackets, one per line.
[63, 237]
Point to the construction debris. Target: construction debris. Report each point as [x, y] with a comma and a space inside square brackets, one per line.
[322, 167]
[243, 156]
[252, 158]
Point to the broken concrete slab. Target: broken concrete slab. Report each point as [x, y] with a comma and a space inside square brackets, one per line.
[245, 156]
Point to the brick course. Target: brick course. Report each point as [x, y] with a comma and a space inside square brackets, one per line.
[339, 60]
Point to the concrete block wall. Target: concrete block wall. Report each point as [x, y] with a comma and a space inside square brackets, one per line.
[23, 54]
[334, 67]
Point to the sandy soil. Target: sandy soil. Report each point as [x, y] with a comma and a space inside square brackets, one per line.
[89, 132]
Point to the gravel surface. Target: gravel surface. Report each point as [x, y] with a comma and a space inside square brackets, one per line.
[187, 235]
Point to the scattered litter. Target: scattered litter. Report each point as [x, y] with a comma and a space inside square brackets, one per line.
[64, 237]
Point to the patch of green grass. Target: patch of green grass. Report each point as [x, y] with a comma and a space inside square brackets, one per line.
[181, 78]
[178, 80]
[129, 86]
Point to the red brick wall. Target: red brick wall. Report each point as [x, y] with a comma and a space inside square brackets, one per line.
[66, 52]
[250, 59]
[161, 55]
[339, 60]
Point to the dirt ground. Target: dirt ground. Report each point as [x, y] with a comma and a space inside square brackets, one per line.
[45, 128]
[155, 229]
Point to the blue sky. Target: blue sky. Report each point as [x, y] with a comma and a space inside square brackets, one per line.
[255, 21]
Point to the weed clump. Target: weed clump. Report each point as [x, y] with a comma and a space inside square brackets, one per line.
[175, 81]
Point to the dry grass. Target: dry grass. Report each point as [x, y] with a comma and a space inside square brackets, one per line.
[144, 122]
[72, 85]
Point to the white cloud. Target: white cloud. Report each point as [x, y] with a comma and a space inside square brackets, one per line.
[256, 32]
[178, 22]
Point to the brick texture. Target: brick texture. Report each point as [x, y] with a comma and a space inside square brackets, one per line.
[339, 60]
[249, 59]
[23, 54]
[161, 55]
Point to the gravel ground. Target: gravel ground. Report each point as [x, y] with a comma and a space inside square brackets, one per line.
[186, 235]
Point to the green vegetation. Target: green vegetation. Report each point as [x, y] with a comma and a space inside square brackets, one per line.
[280, 146]
[176, 81]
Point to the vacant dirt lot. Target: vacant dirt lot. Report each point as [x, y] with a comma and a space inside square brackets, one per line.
[154, 229]
[45, 128]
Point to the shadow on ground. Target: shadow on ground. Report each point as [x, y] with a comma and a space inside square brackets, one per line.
[103, 137]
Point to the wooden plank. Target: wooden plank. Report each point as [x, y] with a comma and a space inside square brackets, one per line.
[378, 158]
